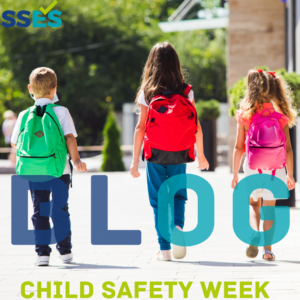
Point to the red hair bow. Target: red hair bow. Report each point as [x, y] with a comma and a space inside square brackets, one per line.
[260, 71]
[273, 74]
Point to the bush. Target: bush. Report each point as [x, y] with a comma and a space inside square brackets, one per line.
[208, 110]
[237, 92]
[293, 80]
[112, 154]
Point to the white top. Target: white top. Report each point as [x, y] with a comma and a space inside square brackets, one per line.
[63, 116]
[142, 100]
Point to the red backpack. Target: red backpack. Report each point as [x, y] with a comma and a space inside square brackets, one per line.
[170, 129]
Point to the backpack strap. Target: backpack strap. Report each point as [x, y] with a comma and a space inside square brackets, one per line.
[277, 115]
[169, 92]
[53, 105]
[40, 110]
[69, 156]
[255, 116]
[187, 89]
[273, 173]
[71, 168]
[24, 120]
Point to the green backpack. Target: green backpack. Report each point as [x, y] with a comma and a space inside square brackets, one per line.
[41, 146]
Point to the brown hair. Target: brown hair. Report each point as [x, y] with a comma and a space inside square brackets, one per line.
[42, 81]
[162, 70]
[281, 96]
[257, 86]
[262, 86]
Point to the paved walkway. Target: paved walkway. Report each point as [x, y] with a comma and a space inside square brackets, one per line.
[220, 258]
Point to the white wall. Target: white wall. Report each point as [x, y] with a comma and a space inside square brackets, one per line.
[223, 121]
[129, 122]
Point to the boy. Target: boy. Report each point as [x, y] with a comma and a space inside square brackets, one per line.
[43, 83]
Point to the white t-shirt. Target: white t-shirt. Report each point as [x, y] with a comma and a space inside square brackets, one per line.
[142, 100]
[64, 118]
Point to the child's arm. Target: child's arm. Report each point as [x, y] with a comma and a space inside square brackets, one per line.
[138, 141]
[72, 148]
[238, 153]
[289, 160]
[16, 131]
[202, 162]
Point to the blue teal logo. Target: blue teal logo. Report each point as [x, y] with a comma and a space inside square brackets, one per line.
[279, 215]
[38, 17]
[206, 210]
[101, 235]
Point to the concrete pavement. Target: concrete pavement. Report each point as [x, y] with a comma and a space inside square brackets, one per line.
[221, 258]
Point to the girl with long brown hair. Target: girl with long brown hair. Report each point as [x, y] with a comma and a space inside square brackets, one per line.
[266, 93]
[163, 72]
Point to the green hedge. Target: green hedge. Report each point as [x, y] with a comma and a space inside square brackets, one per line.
[237, 92]
[208, 110]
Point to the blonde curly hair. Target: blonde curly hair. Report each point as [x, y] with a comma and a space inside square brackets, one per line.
[262, 86]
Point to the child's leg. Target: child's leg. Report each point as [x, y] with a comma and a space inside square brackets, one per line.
[252, 250]
[255, 213]
[254, 205]
[59, 216]
[268, 224]
[180, 196]
[39, 222]
[156, 175]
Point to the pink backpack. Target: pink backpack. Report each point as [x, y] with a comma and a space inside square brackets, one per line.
[266, 143]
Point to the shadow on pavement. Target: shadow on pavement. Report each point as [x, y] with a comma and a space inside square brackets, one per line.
[92, 266]
[289, 261]
[227, 264]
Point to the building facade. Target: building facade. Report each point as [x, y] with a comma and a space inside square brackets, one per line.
[256, 37]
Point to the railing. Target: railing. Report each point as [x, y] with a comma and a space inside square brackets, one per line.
[82, 148]
[5, 150]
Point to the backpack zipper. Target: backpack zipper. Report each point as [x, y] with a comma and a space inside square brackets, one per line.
[38, 156]
[265, 147]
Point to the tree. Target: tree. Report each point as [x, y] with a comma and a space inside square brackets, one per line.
[203, 56]
[4, 79]
[89, 78]
[112, 154]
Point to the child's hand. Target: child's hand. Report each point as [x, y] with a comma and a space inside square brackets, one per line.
[202, 162]
[80, 166]
[234, 181]
[134, 172]
[290, 182]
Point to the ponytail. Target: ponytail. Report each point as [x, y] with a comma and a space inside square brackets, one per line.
[282, 97]
[257, 86]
